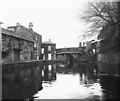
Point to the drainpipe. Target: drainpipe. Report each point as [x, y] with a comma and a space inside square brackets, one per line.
[0, 61]
[118, 19]
[0, 42]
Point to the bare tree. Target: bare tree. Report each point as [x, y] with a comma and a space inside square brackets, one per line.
[98, 14]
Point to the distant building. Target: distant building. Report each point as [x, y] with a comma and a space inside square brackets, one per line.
[16, 47]
[82, 47]
[49, 50]
[30, 34]
[91, 46]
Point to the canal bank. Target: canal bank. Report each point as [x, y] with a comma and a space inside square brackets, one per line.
[21, 65]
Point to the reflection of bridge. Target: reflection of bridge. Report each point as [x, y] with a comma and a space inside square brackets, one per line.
[74, 53]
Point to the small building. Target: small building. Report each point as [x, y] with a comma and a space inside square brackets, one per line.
[49, 50]
[91, 46]
[16, 47]
[82, 47]
[30, 34]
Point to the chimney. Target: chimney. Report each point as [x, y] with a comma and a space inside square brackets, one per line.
[31, 26]
[49, 40]
[17, 24]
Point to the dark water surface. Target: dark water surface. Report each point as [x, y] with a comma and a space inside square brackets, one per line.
[63, 81]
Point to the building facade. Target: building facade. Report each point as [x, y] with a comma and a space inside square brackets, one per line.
[91, 47]
[30, 34]
[49, 50]
[15, 47]
[82, 47]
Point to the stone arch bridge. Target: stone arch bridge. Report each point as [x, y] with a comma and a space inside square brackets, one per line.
[68, 56]
[65, 54]
[73, 54]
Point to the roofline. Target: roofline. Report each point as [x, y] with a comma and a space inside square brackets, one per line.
[11, 26]
[30, 30]
[15, 35]
[25, 28]
[48, 43]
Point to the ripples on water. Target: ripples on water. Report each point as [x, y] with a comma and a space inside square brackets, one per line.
[81, 81]
[60, 81]
[68, 87]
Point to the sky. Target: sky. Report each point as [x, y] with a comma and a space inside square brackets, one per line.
[57, 20]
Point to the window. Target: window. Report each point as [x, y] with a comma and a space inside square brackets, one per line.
[37, 57]
[42, 50]
[11, 29]
[36, 38]
[49, 56]
[35, 44]
[93, 51]
[49, 48]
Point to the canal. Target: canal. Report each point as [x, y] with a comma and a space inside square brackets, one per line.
[88, 81]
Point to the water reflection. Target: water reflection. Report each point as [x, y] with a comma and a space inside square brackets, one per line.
[61, 81]
[80, 81]
[75, 82]
[110, 86]
[21, 84]
[49, 73]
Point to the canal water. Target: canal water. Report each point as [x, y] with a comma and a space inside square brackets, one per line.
[88, 81]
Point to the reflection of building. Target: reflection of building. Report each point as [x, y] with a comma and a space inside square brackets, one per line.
[49, 50]
[49, 72]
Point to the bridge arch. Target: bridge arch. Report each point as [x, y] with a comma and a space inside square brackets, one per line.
[69, 56]
[65, 57]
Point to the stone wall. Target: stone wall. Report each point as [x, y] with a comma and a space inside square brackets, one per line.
[16, 49]
[109, 57]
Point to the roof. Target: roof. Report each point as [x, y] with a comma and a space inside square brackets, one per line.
[25, 28]
[48, 42]
[15, 34]
[30, 31]
[94, 41]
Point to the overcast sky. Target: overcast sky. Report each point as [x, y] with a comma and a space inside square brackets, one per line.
[54, 19]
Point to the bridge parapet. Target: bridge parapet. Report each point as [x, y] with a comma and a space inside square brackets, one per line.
[71, 49]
